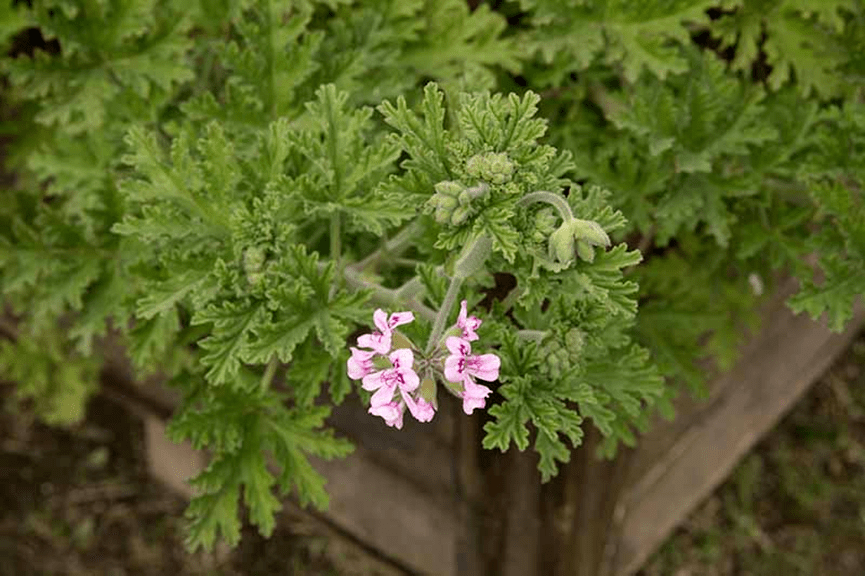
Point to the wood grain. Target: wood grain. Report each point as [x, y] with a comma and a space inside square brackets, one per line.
[678, 464]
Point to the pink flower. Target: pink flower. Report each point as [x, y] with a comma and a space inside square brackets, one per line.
[474, 395]
[468, 324]
[422, 410]
[392, 413]
[461, 364]
[381, 341]
[387, 381]
[360, 363]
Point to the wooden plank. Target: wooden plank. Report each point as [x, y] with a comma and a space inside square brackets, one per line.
[674, 468]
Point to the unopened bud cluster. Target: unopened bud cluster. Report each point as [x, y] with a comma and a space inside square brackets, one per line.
[577, 237]
[452, 202]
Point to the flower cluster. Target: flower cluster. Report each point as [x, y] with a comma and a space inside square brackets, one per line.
[390, 372]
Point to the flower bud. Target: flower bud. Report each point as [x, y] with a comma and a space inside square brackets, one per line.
[427, 391]
[555, 356]
[574, 341]
[590, 232]
[577, 237]
[585, 251]
[544, 224]
[561, 244]
[492, 167]
[561, 356]
[452, 201]
[254, 258]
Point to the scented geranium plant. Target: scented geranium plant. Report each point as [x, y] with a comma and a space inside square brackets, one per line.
[550, 213]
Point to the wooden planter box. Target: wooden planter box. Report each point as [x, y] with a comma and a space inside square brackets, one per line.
[458, 509]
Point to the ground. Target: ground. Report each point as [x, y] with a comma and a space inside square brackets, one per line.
[79, 502]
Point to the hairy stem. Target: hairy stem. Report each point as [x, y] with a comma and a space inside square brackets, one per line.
[536, 335]
[387, 296]
[269, 372]
[336, 243]
[410, 289]
[511, 298]
[557, 201]
[395, 246]
[470, 262]
[444, 311]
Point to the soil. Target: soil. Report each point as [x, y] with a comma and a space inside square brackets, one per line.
[79, 502]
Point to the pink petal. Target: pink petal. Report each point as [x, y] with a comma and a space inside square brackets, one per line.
[410, 380]
[382, 396]
[379, 317]
[399, 318]
[359, 364]
[402, 359]
[454, 368]
[475, 390]
[355, 370]
[391, 412]
[422, 410]
[458, 346]
[461, 319]
[373, 381]
[474, 396]
[471, 325]
[467, 323]
[380, 343]
[469, 404]
[486, 367]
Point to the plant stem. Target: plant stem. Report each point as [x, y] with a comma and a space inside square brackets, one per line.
[336, 243]
[511, 297]
[396, 245]
[387, 296]
[557, 201]
[536, 335]
[443, 313]
[267, 377]
[410, 289]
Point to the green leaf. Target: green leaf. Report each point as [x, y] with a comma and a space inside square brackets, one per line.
[233, 326]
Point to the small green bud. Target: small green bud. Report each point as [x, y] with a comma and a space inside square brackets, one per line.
[427, 391]
[585, 251]
[559, 357]
[577, 237]
[460, 215]
[574, 340]
[543, 225]
[555, 356]
[452, 202]
[561, 244]
[449, 188]
[492, 167]
[254, 258]
[591, 232]
[399, 341]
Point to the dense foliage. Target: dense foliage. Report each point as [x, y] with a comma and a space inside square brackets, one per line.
[232, 190]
